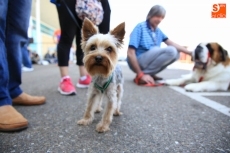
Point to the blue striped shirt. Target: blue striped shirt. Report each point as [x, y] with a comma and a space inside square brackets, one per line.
[143, 38]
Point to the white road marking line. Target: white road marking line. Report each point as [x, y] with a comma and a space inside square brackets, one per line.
[210, 103]
[215, 93]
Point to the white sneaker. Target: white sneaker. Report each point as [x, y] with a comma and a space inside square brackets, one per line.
[27, 69]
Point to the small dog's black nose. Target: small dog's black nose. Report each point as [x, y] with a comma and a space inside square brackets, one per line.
[98, 58]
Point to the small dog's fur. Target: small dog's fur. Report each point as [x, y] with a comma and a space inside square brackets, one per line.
[211, 71]
[100, 58]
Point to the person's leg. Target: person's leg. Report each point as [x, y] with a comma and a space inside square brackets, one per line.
[25, 56]
[68, 31]
[16, 37]
[10, 119]
[4, 77]
[79, 51]
[104, 27]
[157, 59]
[85, 79]
[26, 61]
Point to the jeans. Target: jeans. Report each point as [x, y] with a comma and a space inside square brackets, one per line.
[14, 22]
[156, 59]
[26, 61]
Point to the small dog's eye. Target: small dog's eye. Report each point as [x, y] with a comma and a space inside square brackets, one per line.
[93, 47]
[109, 49]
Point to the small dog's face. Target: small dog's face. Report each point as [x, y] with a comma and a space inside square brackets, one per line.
[101, 51]
[204, 51]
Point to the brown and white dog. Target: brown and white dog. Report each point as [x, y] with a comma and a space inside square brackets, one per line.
[100, 59]
[211, 70]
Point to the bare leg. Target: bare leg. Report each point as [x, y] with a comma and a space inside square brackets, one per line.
[82, 71]
[64, 71]
[107, 117]
[118, 104]
[90, 109]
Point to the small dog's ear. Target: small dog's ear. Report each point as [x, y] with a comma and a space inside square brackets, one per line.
[119, 33]
[88, 29]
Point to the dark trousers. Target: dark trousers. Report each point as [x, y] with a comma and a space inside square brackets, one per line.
[14, 22]
[69, 29]
[104, 27]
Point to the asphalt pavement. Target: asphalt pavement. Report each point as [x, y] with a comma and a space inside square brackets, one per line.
[154, 120]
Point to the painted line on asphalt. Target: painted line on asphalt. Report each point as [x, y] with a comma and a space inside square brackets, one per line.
[210, 103]
[214, 93]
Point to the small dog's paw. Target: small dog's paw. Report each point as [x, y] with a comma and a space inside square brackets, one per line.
[192, 88]
[84, 122]
[102, 128]
[98, 110]
[117, 113]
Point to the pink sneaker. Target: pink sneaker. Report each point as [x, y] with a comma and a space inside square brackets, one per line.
[66, 87]
[85, 83]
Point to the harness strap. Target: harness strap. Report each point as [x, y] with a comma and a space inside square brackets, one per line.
[105, 86]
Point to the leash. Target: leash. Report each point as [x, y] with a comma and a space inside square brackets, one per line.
[139, 76]
[71, 14]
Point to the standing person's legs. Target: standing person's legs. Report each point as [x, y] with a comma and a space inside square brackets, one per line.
[104, 27]
[10, 119]
[4, 77]
[16, 37]
[68, 31]
[157, 59]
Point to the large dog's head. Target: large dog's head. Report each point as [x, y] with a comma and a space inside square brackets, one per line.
[206, 51]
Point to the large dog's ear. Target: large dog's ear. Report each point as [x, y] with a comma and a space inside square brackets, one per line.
[88, 29]
[226, 53]
[223, 53]
[210, 49]
[119, 33]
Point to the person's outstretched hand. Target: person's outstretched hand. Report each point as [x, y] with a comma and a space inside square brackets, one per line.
[147, 79]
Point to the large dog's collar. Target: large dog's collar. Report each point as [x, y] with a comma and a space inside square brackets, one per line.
[105, 86]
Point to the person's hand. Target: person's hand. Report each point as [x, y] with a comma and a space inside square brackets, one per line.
[147, 79]
[189, 53]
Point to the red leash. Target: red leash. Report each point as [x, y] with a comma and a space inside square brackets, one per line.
[140, 75]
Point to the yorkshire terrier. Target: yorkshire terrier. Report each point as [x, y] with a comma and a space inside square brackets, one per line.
[100, 60]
